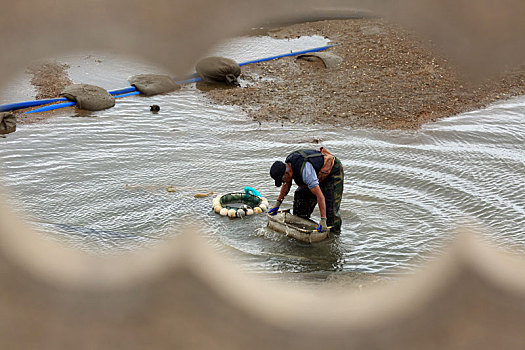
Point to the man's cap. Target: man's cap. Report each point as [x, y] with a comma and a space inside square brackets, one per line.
[277, 171]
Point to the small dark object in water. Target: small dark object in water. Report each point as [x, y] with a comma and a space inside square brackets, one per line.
[154, 108]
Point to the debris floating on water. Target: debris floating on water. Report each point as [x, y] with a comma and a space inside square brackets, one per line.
[203, 195]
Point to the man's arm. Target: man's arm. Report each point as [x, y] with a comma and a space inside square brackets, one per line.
[320, 200]
[285, 188]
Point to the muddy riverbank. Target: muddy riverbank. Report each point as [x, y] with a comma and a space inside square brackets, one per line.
[49, 79]
[388, 79]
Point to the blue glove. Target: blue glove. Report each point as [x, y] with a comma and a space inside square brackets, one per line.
[275, 208]
[322, 225]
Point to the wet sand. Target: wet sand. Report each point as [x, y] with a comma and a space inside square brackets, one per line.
[388, 79]
[49, 79]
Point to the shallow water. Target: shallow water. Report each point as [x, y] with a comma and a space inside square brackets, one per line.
[98, 182]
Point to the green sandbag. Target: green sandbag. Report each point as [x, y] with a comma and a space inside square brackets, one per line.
[7, 122]
[218, 70]
[153, 84]
[89, 97]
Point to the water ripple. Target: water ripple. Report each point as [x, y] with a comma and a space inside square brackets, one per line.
[98, 181]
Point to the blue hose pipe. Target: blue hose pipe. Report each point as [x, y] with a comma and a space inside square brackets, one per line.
[27, 104]
[317, 49]
[128, 94]
[132, 90]
[123, 90]
[52, 107]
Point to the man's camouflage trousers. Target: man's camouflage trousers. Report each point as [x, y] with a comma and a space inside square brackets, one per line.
[332, 187]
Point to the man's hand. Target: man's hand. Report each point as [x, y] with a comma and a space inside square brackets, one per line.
[322, 225]
[275, 208]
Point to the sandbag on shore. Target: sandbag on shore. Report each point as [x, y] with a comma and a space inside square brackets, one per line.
[7, 123]
[218, 70]
[153, 84]
[89, 97]
[328, 59]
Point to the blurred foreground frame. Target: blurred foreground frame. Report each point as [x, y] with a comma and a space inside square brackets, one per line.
[182, 295]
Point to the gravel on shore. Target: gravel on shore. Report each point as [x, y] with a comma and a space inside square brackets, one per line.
[389, 79]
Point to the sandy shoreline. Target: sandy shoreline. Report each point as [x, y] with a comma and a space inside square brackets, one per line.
[388, 79]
